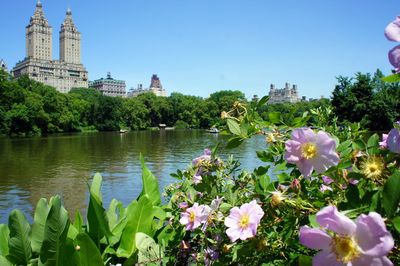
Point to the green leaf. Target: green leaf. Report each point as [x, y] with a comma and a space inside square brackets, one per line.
[78, 222]
[41, 212]
[391, 78]
[391, 194]
[274, 117]
[4, 261]
[19, 245]
[87, 254]
[262, 101]
[55, 234]
[111, 213]
[313, 221]
[233, 126]
[149, 251]
[396, 223]
[97, 217]
[373, 141]
[4, 238]
[234, 142]
[150, 185]
[305, 260]
[139, 219]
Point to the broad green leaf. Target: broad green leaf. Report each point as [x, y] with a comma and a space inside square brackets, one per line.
[396, 223]
[391, 194]
[111, 213]
[19, 245]
[391, 78]
[97, 217]
[149, 251]
[234, 142]
[139, 219]
[4, 261]
[233, 126]
[150, 185]
[55, 234]
[41, 212]
[78, 222]
[4, 238]
[87, 254]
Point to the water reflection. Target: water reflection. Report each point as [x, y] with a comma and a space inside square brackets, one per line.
[41, 167]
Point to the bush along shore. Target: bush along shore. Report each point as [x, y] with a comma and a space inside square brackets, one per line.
[325, 195]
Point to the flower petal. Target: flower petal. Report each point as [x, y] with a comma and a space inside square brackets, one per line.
[314, 238]
[372, 236]
[326, 258]
[305, 168]
[392, 31]
[393, 139]
[394, 56]
[372, 261]
[233, 234]
[331, 219]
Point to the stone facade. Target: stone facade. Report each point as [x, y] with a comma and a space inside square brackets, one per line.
[155, 87]
[63, 74]
[285, 95]
[109, 86]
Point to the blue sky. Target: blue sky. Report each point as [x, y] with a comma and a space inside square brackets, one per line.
[199, 47]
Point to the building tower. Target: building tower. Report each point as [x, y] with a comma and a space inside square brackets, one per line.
[70, 41]
[39, 36]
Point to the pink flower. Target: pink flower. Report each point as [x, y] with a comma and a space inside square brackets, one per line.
[206, 157]
[327, 180]
[363, 242]
[243, 221]
[392, 31]
[324, 188]
[393, 140]
[394, 58]
[194, 216]
[197, 179]
[311, 151]
[383, 143]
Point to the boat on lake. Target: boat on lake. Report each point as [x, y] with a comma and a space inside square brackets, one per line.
[213, 130]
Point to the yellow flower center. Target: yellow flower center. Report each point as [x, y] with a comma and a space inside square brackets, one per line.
[308, 150]
[270, 138]
[192, 217]
[244, 221]
[373, 167]
[345, 248]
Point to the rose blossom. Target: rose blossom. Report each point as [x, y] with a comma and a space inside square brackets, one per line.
[194, 216]
[309, 150]
[363, 242]
[243, 221]
[393, 140]
[206, 157]
[392, 31]
[383, 143]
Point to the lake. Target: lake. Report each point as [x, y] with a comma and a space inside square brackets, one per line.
[32, 168]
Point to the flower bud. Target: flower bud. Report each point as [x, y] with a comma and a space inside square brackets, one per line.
[77, 248]
[295, 185]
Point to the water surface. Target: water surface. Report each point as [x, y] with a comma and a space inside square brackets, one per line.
[32, 168]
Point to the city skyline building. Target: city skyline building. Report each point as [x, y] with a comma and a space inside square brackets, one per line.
[109, 86]
[3, 65]
[155, 87]
[64, 74]
[285, 95]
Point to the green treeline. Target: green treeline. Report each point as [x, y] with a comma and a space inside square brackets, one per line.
[368, 100]
[28, 107]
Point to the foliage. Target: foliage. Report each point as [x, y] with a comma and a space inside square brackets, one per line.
[368, 100]
[147, 232]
